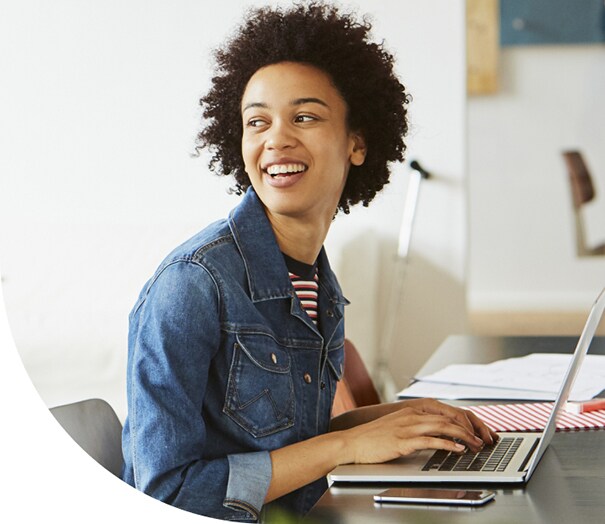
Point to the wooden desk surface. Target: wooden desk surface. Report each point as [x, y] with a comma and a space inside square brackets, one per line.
[567, 486]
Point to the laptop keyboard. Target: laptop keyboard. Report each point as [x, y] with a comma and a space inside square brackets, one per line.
[491, 458]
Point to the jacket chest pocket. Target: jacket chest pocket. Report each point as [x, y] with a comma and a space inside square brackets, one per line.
[260, 391]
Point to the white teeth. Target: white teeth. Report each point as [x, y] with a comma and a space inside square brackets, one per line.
[281, 169]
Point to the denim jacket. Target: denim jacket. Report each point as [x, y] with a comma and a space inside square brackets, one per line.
[224, 365]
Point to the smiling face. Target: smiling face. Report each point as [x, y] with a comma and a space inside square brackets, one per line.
[296, 146]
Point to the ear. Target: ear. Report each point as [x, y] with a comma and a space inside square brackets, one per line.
[358, 150]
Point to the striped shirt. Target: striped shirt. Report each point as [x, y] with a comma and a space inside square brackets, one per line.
[305, 281]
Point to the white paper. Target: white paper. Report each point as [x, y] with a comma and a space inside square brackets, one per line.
[537, 376]
[458, 392]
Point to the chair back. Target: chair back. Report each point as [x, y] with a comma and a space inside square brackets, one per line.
[95, 427]
[356, 388]
[582, 188]
[582, 192]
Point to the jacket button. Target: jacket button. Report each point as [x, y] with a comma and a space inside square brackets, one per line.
[307, 378]
[323, 385]
[273, 358]
[330, 313]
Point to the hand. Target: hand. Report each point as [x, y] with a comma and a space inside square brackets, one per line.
[464, 416]
[416, 425]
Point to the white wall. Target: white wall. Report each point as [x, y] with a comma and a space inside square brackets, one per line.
[430, 38]
[97, 185]
[522, 247]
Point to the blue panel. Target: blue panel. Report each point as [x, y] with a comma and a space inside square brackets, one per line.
[526, 22]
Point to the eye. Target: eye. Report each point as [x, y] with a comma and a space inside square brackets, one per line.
[256, 122]
[302, 119]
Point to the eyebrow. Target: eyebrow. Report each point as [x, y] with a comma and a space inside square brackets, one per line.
[295, 102]
[308, 100]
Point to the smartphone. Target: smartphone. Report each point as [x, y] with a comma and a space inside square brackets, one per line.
[435, 496]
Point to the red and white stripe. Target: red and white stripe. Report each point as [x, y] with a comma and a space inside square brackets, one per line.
[533, 417]
[306, 291]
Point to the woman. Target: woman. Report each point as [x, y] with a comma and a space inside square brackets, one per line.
[231, 373]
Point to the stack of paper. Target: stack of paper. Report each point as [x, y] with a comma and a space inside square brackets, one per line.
[537, 376]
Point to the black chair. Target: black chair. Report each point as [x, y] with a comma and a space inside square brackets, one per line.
[95, 427]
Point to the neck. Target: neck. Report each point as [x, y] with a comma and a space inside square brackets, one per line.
[300, 240]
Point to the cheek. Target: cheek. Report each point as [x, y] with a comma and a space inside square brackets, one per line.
[248, 155]
[340, 157]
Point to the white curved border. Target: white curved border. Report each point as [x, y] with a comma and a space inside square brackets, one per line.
[45, 474]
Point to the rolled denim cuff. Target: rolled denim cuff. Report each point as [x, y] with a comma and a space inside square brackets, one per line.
[249, 479]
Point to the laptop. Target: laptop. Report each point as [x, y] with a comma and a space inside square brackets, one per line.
[512, 459]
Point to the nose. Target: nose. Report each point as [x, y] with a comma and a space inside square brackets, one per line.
[280, 136]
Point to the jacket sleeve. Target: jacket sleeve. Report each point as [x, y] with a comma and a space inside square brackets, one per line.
[175, 333]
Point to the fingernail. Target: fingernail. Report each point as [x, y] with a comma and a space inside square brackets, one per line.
[460, 447]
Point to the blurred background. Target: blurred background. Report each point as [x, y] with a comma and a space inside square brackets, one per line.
[97, 182]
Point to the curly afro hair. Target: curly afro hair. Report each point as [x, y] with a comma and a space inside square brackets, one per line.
[319, 35]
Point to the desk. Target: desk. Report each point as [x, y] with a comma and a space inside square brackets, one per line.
[567, 486]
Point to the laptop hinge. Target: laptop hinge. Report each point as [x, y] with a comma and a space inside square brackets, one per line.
[529, 455]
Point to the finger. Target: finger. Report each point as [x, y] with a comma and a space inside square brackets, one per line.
[419, 422]
[411, 445]
[485, 432]
[470, 421]
[457, 414]
[439, 426]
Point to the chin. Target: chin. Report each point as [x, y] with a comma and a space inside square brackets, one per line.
[287, 210]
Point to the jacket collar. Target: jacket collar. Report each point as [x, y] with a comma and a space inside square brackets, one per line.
[265, 266]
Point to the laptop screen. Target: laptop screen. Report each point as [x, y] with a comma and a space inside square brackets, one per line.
[590, 328]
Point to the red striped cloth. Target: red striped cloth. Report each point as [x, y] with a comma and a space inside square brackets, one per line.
[306, 291]
[533, 417]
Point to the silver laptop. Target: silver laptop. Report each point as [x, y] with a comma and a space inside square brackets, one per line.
[512, 459]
